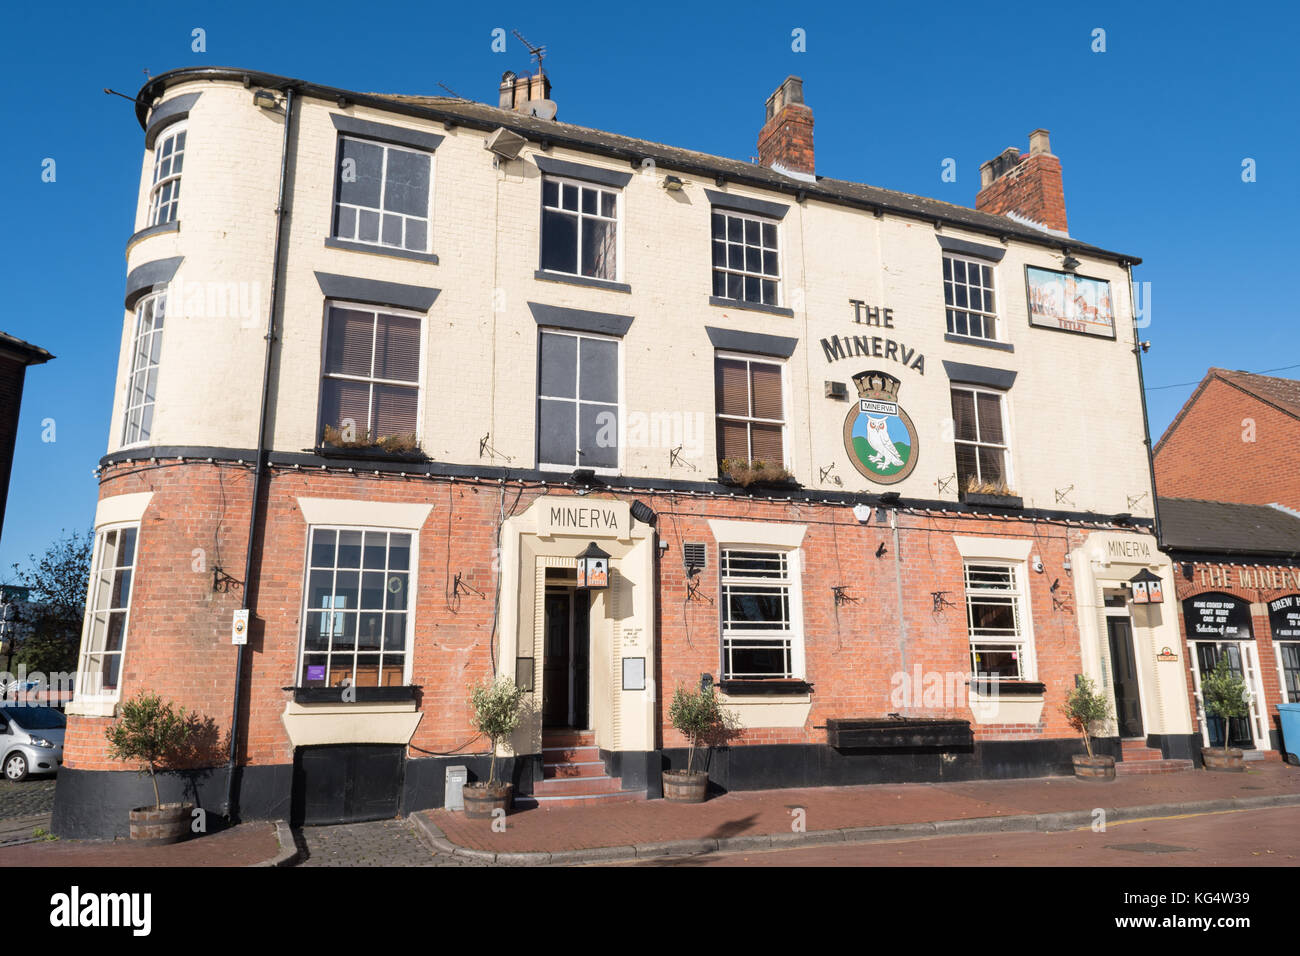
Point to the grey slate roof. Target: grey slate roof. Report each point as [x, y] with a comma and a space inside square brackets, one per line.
[28, 353]
[632, 150]
[1190, 524]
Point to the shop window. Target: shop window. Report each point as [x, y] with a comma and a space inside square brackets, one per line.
[760, 635]
[1288, 653]
[746, 264]
[579, 229]
[165, 190]
[142, 385]
[382, 197]
[995, 610]
[969, 297]
[577, 401]
[980, 436]
[108, 608]
[357, 616]
[371, 381]
[751, 410]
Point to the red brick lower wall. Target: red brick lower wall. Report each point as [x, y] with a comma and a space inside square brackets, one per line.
[178, 644]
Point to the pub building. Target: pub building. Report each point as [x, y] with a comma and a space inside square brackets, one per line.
[1237, 568]
[438, 390]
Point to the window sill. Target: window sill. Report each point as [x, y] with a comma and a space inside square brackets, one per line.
[1007, 688]
[751, 306]
[606, 284]
[756, 688]
[369, 453]
[982, 343]
[391, 251]
[364, 695]
[158, 230]
[91, 708]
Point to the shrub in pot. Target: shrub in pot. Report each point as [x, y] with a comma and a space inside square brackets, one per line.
[702, 719]
[497, 712]
[1083, 708]
[1225, 696]
[153, 734]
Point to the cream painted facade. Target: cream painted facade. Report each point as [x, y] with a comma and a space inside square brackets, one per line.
[1075, 442]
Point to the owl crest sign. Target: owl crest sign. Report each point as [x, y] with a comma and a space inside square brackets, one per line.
[879, 436]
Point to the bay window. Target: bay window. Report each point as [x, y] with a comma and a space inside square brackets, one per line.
[108, 606]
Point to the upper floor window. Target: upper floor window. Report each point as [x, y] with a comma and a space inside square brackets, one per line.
[979, 431]
[745, 261]
[579, 229]
[999, 644]
[108, 606]
[969, 297]
[751, 410]
[372, 372]
[142, 385]
[760, 633]
[383, 195]
[577, 401]
[165, 191]
[357, 623]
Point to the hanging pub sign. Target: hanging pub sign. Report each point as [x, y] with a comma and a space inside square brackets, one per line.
[1147, 588]
[593, 568]
[1072, 303]
[1284, 618]
[878, 434]
[1217, 616]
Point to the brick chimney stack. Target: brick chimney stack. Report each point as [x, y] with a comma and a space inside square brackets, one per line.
[1029, 187]
[517, 91]
[785, 143]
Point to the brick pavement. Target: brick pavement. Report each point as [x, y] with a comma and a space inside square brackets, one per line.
[745, 813]
[243, 845]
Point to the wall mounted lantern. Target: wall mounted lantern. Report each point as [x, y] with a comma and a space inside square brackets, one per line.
[1146, 588]
[593, 568]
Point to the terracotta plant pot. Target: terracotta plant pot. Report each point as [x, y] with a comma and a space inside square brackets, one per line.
[170, 823]
[1100, 767]
[686, 787]
[481, 800]
[1230, 762]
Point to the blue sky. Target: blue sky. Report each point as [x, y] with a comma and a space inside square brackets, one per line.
[1151, 134]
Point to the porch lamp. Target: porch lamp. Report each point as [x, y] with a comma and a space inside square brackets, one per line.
[1146, 588]
[593, 568]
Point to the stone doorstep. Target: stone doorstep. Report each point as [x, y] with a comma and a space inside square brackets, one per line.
[433, 836]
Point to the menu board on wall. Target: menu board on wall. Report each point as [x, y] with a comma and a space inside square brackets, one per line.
[1284, 618]
[1214, 616]
[1073, 303]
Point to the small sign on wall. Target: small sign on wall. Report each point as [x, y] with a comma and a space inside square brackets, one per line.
[634, 673]
[239, 628]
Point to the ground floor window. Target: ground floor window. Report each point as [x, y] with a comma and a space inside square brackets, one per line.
[1244, 732]
[759, 633]
[357, 617]
[999, 647]
[1288, 655]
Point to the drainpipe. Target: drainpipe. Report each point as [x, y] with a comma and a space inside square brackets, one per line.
[260, 455]
[902, 610]
[1142, 392]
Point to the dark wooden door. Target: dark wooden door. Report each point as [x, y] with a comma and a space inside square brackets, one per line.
[346, 783]
[1207, 658]
[1123, 667]
[558, 628]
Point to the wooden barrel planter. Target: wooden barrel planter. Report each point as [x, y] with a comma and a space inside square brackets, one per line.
[684, 787]
[1231, 762]
[1101, 767]
[481, 800]
[169, 823]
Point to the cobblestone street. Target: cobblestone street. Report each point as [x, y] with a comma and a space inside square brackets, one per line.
[380, 843]
[31, 796]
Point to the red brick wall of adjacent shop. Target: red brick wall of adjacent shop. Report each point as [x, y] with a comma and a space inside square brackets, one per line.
[1230, 446]
[178, 643]
[1239, 581]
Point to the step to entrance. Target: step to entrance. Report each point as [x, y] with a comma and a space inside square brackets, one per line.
[573, 774]
[1138, 750]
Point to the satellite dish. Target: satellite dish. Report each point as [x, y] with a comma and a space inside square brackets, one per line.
[542, 109]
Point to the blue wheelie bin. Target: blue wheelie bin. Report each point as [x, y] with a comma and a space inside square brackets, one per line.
[1290, 715]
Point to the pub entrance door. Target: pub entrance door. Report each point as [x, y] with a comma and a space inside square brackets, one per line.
[566, 672]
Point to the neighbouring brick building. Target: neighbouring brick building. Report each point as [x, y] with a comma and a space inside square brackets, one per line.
[499, 339]
[1257, 417]
[15, 357]
[1238, 595]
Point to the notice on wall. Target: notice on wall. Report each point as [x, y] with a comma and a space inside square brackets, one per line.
[1217, 616]
[1284, 618]
[632, 635]
[1073, 303]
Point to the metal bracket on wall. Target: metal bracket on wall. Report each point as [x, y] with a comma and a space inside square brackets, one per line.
[942, 483]
[1134, 499]
[941, 602]
[222, 582]
[675, 458]
[1063, 493]
[485, 447]
[824, 472]
[842, 596]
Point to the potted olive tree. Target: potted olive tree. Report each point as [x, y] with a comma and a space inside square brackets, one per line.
[1226, 697]
[153, 734]
[1083, 708]
[701, 718]
[497, 713]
